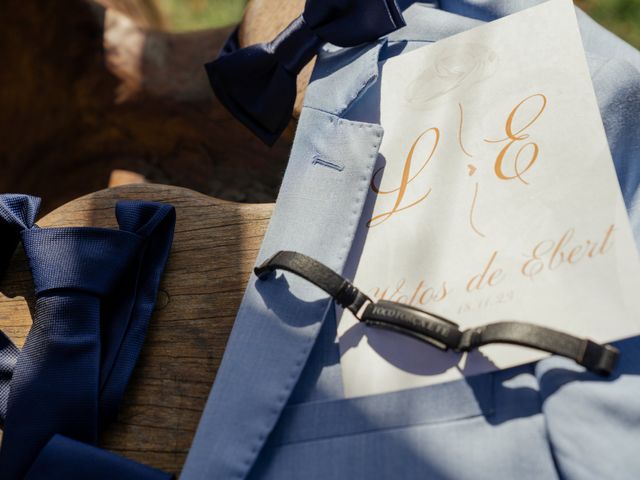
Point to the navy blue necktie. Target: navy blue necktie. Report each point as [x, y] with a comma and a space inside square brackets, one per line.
[257, 84]
[8, 358]
[17, 213]
[95, 292]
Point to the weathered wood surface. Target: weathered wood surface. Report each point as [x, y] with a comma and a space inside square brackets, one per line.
[214, 251]
[84, 90]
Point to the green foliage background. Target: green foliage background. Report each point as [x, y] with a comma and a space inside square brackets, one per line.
[620, 16]
[181, 15]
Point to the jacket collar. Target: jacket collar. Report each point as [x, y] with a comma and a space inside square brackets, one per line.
[355, 70]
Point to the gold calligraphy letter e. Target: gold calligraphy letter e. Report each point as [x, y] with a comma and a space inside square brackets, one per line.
[518, 136]
[406, 179]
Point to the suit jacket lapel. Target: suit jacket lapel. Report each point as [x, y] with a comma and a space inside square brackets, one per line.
[318, 208]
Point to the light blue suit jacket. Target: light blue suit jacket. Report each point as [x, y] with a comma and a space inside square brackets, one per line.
[277, 409]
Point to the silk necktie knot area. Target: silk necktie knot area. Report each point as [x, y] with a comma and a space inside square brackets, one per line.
[92, 260]
[257, 84]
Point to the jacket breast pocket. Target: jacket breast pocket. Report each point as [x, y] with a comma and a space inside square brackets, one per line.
[488, 426]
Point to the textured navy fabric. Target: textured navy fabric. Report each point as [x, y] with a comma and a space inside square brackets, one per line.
[17, 212]
[66, 459]
[95, 292]
[8, 358]
[257, 84]
[134, 301]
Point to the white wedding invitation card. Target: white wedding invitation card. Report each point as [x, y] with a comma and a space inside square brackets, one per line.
[495, 199]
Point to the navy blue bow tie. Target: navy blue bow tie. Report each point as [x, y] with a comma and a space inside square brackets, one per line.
[95, 292]
[257, 84]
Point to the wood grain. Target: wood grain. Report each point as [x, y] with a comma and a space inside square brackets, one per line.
[214, 251]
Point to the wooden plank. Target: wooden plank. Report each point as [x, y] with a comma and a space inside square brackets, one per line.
[214, 251]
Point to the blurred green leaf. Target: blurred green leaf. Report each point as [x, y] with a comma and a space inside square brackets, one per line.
[620, 16]
[182, 15]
